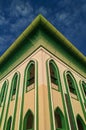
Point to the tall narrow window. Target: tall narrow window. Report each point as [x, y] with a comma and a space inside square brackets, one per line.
[53, 73]
[80, 123]
[59, 119]
[71, 84]
[84, 87]
[2, 94]
[30, 74]
[28, 121]
[9, 123]
[14, 84]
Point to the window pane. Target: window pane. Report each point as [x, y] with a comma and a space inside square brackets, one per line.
[31, 75]
[14, 84]
[80, 126]
[84, 87]
[71, 84]
[29, 123]
[58, 122]
[53, 74]
[9, 123]
[3, 92]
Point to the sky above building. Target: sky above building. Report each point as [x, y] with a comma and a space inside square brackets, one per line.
[68, 16]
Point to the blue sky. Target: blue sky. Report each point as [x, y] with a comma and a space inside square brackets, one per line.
[68, 16]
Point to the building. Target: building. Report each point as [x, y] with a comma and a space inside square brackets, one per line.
[42, 82]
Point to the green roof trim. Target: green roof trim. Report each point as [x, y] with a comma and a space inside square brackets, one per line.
[40, 23]
[40, 19]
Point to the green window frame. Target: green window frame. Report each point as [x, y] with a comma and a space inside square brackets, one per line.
[80, 123]
[2, 93]
[28, 123]
[9, 122]
[84, 88]
[71, 83]
[14, 85]
[53, 72]
[30, 75]
[59, 119]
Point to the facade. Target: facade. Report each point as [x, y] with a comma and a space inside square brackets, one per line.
[42, 82]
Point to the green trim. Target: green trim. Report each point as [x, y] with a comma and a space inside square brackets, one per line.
[81, 101]
[28, 69]
[55, 70]
[69, 97]
[49, 96]
[36, 95]
[77, 92]
[25, 119]
[40, 20]
[50, 100]
[9, 123]
[9, 100]
[81, 87]
[41, 29]
[81, 120]
[58, 110]
[4, 100]
[16, 100]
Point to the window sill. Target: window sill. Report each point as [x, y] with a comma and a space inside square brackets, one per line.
[29, 88]
[13, 98]
[73, 96]
[54, 86]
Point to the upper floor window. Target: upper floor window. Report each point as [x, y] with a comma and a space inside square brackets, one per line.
[30, 74]
[70, 81]
[14, 84]
[2, 94]
[53, 73]
[84, 87]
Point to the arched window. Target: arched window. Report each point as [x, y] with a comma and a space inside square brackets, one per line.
[80, 123]
[84, 87]
[70, 82]
[2, 94]
[9, 123]
[14, 84]
[30, 74]
[53, 72]
[59, 119]
[28, 121]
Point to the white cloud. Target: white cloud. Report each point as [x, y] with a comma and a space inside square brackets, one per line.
[3, 20]
[21, 10]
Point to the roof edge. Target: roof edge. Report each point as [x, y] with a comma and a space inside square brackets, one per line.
[48, 26]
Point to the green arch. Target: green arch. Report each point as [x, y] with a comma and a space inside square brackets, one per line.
[68, 98]
[9, 123]
[81, 86]
[56, 71]
[9, 99]
[50, 91]
[81, 123]
[58, 111]
[14, 84]
[26, 72]
[28, 113]
[36, 95]
[75, 87]
[5, 84]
